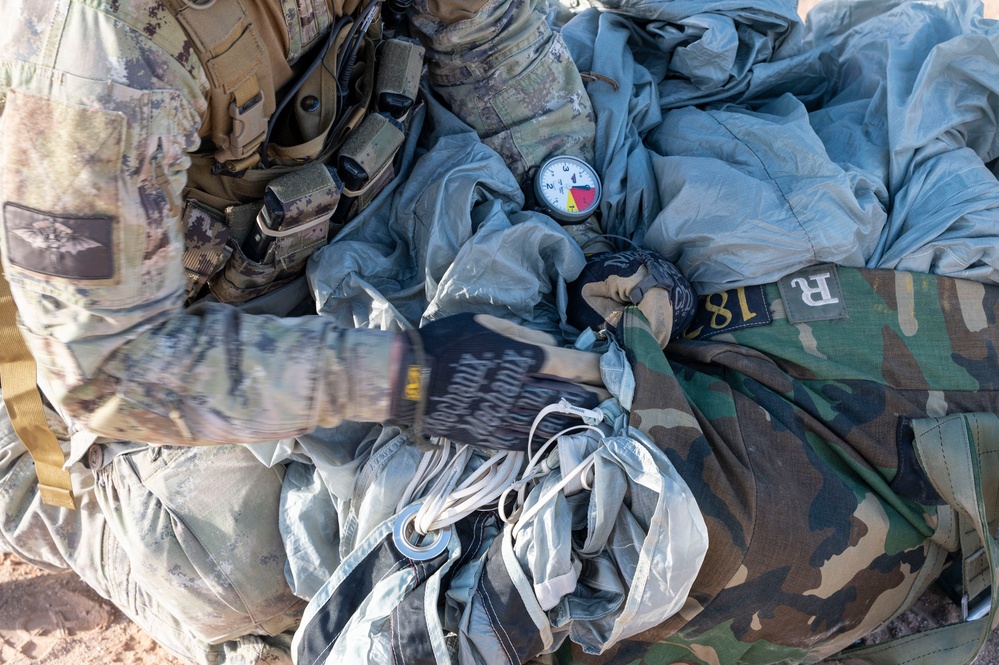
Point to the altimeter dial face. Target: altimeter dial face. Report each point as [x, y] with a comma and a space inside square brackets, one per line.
[568, 188]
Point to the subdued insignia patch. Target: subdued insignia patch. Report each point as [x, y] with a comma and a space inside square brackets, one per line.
[75, 247]
[813, 294]
[727, 311]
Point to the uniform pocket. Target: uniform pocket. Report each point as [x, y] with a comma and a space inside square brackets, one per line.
[546, 109]
[86, 217]
[61, 194]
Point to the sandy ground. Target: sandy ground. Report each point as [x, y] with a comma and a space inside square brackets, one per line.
[55, 619]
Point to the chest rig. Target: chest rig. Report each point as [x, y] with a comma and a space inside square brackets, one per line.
[291, 152]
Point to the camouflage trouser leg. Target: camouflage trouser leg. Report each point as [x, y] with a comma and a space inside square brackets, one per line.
[503, 71]
[184, 541]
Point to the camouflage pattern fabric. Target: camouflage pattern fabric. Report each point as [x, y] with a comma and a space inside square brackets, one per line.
[510, 77]
[92, 247]
[103, 315]
[184, 541]
[112, 338]
[795, 439]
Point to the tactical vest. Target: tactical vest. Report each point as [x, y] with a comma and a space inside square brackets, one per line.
[291, 153]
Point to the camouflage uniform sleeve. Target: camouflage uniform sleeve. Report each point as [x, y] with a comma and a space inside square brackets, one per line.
[502, 70]
[101, 103]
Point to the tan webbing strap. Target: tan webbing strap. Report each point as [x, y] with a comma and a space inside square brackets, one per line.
[24, 406]
[240, 73]
[315, 109]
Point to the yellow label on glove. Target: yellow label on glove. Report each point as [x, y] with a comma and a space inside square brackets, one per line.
[414, 384]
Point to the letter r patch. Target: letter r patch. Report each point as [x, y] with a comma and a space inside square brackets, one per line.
[813, 294]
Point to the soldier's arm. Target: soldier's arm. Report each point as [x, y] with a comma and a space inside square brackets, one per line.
[502, 70]
[98, 114]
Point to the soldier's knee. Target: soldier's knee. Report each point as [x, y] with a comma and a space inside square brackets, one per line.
[199, 529]
[46, 536]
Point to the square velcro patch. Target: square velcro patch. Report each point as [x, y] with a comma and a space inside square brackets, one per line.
[813, 294]
[75, 247]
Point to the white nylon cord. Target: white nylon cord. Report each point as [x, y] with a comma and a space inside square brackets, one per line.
[438, 455]
[536, 468]
[478, 492]
[581, 468]
[437, 497]
[488, 486]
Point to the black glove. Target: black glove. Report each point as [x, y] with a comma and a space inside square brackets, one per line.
[481, 380]
[611, 282]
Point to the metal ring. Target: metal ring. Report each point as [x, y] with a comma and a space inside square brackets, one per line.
[199, 4]
[403, 532]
